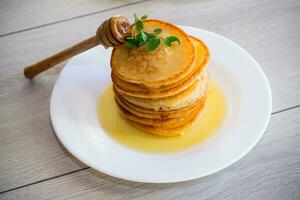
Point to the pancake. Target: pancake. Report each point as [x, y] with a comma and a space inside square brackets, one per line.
[171, 122]
[170, 131]
[161, 67]
[176, 102]
[138, 90]
[154, 114]
[150, 113]
[150, 92]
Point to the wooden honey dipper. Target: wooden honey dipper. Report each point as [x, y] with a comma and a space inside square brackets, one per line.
[111, 33]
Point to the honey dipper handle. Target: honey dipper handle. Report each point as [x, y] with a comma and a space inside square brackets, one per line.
[49, 62]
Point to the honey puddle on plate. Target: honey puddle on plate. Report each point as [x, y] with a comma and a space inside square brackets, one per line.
[124, 133]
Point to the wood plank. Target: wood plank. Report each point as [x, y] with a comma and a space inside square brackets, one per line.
[16, 15]
[29, 149]
[268, 29]
[270, 171]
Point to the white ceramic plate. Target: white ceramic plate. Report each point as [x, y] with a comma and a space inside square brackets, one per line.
[74, 117]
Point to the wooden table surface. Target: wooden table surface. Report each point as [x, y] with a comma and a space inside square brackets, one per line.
[34, 165]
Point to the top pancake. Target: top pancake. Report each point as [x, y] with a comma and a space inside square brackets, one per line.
[161, 67]
[138, 90]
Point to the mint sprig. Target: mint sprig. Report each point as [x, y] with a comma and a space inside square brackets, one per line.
[151, 40]
[168, 40]
[152, 44]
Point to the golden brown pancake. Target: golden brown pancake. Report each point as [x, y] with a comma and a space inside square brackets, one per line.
[170, 131]
[169, 122]
[163, 66]
[152, 114]
[178, 101]
[138, 90]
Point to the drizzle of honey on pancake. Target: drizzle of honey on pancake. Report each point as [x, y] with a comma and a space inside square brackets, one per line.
[125, 134]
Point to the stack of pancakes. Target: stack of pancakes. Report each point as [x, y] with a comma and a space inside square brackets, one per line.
[162, 91]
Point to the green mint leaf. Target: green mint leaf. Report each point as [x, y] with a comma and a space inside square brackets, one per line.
[150, 35]
[152, 44]
[168, 40]
[139, 37]
[135, 18]
[157, 31]
[173, 39]
[144, 17]
[141, 43]
[130, 43]
[144, 36]
[138, 23]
